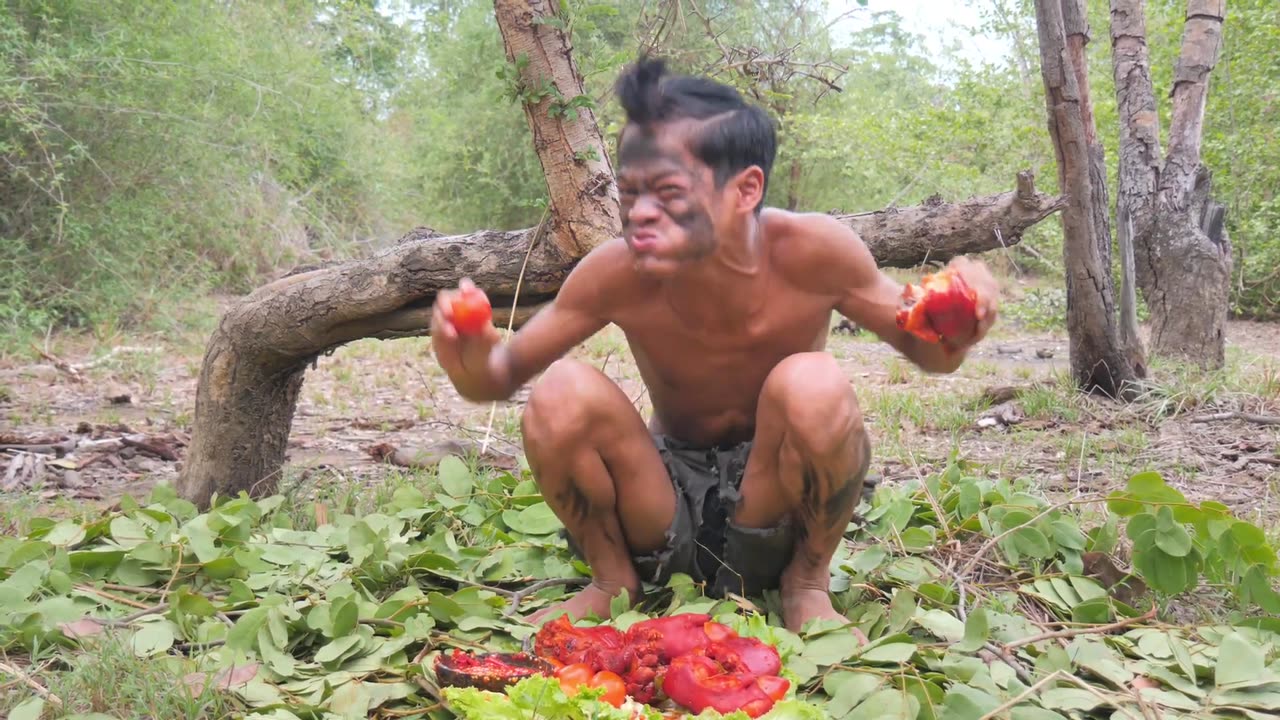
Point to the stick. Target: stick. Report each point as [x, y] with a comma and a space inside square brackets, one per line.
[1233, 415]
[31, 683]
[1095, 630]
[114, 598]
[968, 568]
[1008, 659]
[518, 596]
[140, 614]
[1023, 695]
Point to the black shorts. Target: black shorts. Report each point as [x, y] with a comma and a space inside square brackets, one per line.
[702, 541]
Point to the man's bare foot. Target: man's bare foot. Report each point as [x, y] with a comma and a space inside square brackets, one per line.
[591, 600]
[800, 605]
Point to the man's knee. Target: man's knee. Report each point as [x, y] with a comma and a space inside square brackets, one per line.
[816, 403]
[560, 407]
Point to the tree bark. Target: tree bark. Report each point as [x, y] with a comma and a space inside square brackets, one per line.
[255, 360]
[1098, 360]
[570, 148]
[1139, 163]
[1182, 255]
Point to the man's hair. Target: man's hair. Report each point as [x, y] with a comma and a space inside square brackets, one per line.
[735, 134]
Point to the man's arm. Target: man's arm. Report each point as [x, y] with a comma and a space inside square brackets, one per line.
[483, 368]
[870, 298]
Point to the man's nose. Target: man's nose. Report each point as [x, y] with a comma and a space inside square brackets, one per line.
[644, 209]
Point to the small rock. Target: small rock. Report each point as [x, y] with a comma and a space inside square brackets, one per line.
[1044, 353]
[71, 479]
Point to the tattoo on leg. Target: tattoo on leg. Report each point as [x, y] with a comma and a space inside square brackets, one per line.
[577, 503]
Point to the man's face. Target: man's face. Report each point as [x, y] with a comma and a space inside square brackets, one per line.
[668, 200]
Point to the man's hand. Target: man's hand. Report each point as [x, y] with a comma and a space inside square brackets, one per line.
[465, 356]
[979, 278]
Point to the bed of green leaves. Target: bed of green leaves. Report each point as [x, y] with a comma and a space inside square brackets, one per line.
[980, 600]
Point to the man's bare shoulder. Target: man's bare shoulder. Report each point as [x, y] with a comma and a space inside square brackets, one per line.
[816, 248]
[605, 279]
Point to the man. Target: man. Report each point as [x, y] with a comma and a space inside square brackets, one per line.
[750, 469]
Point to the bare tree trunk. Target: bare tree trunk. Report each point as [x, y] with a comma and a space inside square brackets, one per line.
[584, 198]
[1182, 256]
[255, 360]
[1098, 361]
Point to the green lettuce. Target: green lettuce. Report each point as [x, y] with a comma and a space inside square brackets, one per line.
[540, 698]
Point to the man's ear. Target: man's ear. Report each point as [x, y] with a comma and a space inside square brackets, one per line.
[748, 189]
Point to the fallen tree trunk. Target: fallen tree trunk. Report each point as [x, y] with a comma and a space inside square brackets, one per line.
[256, 358]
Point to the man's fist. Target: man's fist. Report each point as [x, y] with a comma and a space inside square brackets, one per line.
[954, 307]
[470, 311]
[465, 311]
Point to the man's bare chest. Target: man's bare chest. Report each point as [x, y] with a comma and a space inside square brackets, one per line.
[737, 353]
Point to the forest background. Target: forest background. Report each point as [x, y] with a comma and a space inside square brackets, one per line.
[153, 154]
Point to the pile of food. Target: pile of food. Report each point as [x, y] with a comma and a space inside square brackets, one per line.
[688, 660]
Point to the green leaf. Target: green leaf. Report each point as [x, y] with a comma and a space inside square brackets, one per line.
[848, 688]
[30, 709]
[455, 478]
[1171, 536]
[337, 649]
[943, 625]
[962, 701]
[1239, 661]
[898, 652]
[1247, 535]
[152, 639]
[831, 648]
[1092, 612]
[344, 614]
[1123, 504]
[537, 519]
[65, 534]
[1167, 573]
[1031, 542]
[977, 631]
[917, 539]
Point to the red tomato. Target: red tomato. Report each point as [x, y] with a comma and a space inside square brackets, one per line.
[615, 689]
[774, 686]
[471, 311]
[573, 677]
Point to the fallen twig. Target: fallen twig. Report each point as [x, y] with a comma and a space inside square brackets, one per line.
[116, 598]
[156, 449]
[519, 595]
[30, 682]
[60, 364]
[1093, 630]
[1008, 659]
[986, 547]
[154, 609]
[1056, 674]
[1234, 415]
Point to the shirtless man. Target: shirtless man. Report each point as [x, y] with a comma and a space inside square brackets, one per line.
[749, 471]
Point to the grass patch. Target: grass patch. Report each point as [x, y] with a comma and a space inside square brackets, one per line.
[106, 676]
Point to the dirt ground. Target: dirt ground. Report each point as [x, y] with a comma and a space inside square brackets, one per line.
[135, 398]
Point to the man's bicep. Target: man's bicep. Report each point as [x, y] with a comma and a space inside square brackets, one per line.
[579, 310]
[868, 296]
